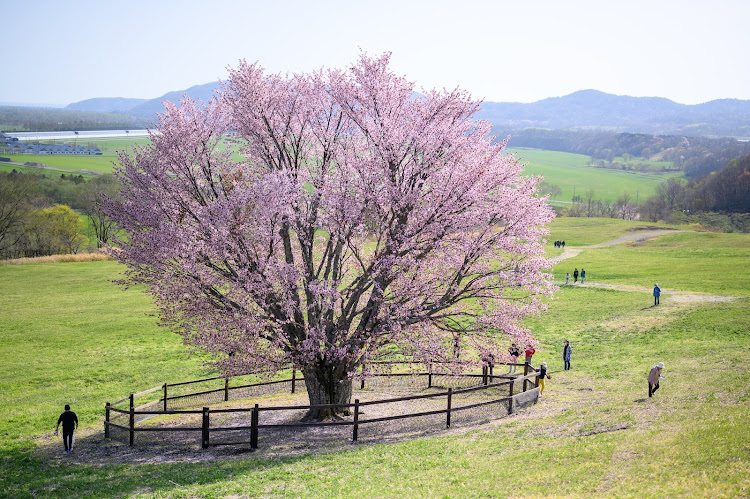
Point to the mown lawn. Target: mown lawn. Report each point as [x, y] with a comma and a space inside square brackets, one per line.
[68, 335]
[701, 262]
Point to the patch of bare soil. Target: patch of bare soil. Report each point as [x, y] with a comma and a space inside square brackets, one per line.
[638, 235]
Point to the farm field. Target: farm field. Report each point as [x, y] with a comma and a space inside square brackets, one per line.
[68, 335]
[572, 174]
[568, 171]
[79, 164]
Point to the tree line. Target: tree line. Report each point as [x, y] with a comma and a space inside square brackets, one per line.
[40, 119]
[41, 215]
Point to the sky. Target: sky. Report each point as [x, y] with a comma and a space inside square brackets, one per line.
[502, 50]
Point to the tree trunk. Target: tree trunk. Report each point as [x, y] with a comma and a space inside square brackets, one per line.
[327, 384]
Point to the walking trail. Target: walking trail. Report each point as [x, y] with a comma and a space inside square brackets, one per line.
[639, 236]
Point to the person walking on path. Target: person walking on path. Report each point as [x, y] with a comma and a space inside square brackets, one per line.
[69, 422]
[529, 352]
[653, 378]
[567, 351]
[514, 354]
[583, 275]
[542, 374]
[575, 276]
[657, 293]
[567, 278]
[563, 244]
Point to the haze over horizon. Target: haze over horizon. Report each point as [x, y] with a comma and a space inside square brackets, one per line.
[499, 52]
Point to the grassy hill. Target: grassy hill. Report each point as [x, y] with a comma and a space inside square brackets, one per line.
[68, 335]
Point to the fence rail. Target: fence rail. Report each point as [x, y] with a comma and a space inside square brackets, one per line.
[130, 420]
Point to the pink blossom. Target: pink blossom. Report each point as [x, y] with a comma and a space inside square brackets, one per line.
[333, 218]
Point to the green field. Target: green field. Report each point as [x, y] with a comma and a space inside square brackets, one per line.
[568, 171]
[79, 164]
[9, 167]
[572, 174]
[68, 335]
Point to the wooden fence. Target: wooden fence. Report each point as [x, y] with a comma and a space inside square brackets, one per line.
[125, 420]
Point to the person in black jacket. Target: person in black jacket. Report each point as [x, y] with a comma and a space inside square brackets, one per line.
[514, 353]
[575, 276]
[542, 374]
[69, 422]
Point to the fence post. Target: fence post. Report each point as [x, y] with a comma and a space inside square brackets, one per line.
[510, 394]
[491, 373]
[448, 414]
[132, 421]
[226, 389]
[204, 428]
[429, 377]
[355, 431]
[294, 379]
[254, 428]
[362, 385]
[106, 420]
[525, 373]
[165, 397]
[484, 375]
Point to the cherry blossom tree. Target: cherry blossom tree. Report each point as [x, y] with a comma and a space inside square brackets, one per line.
[326, 220]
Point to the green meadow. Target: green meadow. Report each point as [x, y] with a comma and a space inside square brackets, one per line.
[572, 173]
[69, 335]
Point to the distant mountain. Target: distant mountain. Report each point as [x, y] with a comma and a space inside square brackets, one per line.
[149, 108]
[591, 109]
[143, 108]
[585, 109]
[105, 105]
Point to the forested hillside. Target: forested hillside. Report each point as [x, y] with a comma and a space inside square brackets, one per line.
[42, 119]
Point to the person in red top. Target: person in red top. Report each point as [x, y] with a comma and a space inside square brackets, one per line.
[529, 353]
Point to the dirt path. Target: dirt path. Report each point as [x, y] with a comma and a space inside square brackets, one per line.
[674, 294]
[681, 297]
[640, 236]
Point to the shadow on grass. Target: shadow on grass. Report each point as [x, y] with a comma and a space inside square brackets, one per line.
[27, 471]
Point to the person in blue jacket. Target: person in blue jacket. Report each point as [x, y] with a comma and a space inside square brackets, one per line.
[657, 292]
